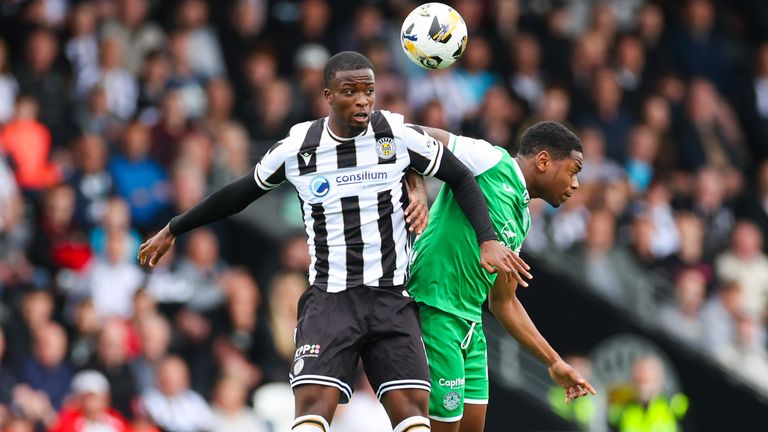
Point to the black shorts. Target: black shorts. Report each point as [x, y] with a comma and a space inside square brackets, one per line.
[381, 326]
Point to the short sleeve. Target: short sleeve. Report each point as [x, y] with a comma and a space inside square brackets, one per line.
[270, 170]
[478, 155]
[425, 152]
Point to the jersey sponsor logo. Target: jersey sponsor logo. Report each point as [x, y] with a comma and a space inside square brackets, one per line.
[307, 350]
[507, 188]
[386, 147]
[451, 400]
[319, 186]
[361, 177]
[298, 366]
[452, 383]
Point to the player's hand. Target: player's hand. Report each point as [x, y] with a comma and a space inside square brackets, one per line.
[157, 246]
[574, 384]
[494, 257]
[417, 212]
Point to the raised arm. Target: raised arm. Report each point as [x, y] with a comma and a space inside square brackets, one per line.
[225, 202]
[511, 314]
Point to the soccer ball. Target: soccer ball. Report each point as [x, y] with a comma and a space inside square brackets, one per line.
[434, 36]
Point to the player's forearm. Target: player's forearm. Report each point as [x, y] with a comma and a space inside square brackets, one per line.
[468, 195]
[228, 200]
[415, 183]
[513, 317]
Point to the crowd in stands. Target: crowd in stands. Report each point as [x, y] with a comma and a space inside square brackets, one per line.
[117, 114]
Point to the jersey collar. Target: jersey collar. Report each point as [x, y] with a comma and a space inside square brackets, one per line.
[519, 172]
[340, 139]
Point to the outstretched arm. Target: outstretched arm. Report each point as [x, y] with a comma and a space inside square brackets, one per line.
[511, 314]
[228, 200]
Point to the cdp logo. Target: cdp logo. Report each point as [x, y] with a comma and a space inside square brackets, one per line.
[319, 186]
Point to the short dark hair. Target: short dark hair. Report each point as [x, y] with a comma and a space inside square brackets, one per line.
[344, 61]
[550, 136]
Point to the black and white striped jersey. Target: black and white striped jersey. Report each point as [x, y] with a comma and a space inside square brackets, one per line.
[353, 196]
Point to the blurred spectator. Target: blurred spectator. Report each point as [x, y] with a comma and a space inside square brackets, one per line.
[643, 149]
[753, 206]
[58, 242]
[246, 21]
[697, 49]
[495, 119]
[294, 255]
[35, 311]
[610, 269]
[630, 68]
[91, 180]
[203, 50]
[310, 61]
[170, 128]
[666, 239]
[112, 360]
[82, 48]
[136, 34]
[230, 414]
[589, 55]
[45, 81]
[479, 78]
[231, 155]
[117, 220]
[657, 115]
[15, 236]
[648, 396]
[200, 267]
[752, 103]
[312, 26]
[90, 408]
[221, 101]
[690, 254]
[140, 180]
[569, 223]
[27, 143]
[683, 317]
[184, 79]
[708, 134]
[271, 119]
[112, 280]
[527, 80]
[709, 204]
[172, 404]
[154, 334]
[597, 167]
[444, 86]
[48, 369]
[153, 84]
[746, 264]
[119, 85]
[8, 85]
[608, 114]
[719, 316]
[284, 294]
[95, 117]
[86, 323]
[745, 355]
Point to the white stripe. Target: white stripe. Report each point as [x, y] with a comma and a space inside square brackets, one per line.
[447, 419]
[401, 387]
[260, 183]
[343, 388]
[434, 166]
[476, 401]
[308, 226]
[323, 377]
[400, 234]
[384, 387]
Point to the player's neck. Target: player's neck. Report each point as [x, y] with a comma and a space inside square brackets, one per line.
[342, 134]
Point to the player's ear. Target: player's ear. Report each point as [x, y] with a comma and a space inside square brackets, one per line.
[543, 160]
[328, 95]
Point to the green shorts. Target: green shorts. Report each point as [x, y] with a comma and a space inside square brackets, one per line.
[458, 363]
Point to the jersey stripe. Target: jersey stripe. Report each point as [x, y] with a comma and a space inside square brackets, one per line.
[388, 249]
[382, 129]
[346, 154]
[307, 157]
[353, 237]
[321, 246]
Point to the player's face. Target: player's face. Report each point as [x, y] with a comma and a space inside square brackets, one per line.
[562, 182]
[351, 95]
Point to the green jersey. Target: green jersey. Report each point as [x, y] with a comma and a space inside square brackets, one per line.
[445, 269]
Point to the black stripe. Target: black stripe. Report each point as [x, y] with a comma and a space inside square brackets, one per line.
[309, 148]
[321, 247]
[383, 132]
[417, 128]
[353, 238]
[419, 162]
[346, 154]
[388, 246]
[278, 177]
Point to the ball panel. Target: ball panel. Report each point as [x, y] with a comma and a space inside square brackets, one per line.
[434, 36]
